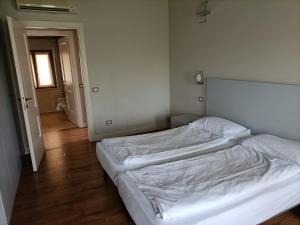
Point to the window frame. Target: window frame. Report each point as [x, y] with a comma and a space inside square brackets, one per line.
[35, 72]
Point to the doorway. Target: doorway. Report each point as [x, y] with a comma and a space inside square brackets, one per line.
[48, 83]
[54, 60]
[50, 79]
[57, 79]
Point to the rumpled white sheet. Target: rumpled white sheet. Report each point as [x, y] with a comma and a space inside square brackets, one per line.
[208, 182]
[142, 148]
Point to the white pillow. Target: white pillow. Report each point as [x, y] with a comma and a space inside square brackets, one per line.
[274, 146]
[221, 127]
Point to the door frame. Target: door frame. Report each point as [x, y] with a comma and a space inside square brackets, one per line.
[73, 42]
[78, 28]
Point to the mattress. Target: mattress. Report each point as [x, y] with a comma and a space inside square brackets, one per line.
[266, 204]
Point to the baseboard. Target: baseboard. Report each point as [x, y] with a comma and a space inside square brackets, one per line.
[133, 131]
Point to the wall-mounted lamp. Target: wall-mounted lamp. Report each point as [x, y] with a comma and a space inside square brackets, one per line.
[199, 78]
[202, 11]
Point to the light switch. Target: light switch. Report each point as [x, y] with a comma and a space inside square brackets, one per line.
[95, 89]
[108, 122]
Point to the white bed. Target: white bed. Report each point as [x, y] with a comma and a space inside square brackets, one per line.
[206, 134]
[267, 185]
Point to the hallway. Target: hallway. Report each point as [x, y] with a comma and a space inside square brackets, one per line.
[55, 121]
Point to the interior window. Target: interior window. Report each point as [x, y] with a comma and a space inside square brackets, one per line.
[43, 72]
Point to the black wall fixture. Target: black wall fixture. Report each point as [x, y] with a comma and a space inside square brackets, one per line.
[202, 11]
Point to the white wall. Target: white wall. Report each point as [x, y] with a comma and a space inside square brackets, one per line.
[128, 58]
[255, 40]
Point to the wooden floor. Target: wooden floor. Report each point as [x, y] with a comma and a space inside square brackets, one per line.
[55, 121]
[69, 188]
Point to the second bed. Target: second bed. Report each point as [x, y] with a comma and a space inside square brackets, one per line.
[244, 184]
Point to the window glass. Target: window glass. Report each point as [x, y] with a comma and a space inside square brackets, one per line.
[43, 64]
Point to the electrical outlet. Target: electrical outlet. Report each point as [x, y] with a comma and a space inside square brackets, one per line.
[200, 99]
[95, 89]
[108, 122]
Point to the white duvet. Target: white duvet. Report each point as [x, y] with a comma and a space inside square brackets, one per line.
[205, 184]
[159, 145]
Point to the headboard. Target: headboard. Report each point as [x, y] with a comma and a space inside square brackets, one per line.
[262, 107]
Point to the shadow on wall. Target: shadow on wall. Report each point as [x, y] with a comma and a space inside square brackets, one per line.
[13, 87]
[10, 154]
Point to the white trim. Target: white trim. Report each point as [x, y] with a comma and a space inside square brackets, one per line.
[3, 219]
[82, 57]
[43, 33]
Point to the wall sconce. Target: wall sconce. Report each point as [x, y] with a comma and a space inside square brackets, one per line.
[202, 11]
[199, 78]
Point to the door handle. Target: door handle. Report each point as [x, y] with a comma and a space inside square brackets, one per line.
[81, 85]
[27, 99]
[25, 103]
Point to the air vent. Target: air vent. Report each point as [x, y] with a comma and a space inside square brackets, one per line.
[55, 6]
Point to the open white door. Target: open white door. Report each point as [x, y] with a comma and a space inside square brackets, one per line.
[19, 43]
[64, 51]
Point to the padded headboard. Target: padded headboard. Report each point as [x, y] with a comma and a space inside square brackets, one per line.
[262, 107]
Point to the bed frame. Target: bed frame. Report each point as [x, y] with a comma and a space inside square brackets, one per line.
[262, 107]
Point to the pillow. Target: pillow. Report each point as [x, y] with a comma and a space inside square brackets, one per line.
[221, 127]
[274, 146]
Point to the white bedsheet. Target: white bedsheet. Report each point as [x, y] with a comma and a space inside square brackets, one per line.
[258, 208]
[136, 149]
[207, 184]
[128, 153]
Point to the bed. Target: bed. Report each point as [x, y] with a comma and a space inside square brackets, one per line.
[254, 105]
[244, 184]
[117, 155]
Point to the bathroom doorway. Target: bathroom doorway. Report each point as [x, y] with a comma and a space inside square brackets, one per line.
[57, 80]
[25, 87]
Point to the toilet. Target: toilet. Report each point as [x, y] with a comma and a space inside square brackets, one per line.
[61, 105]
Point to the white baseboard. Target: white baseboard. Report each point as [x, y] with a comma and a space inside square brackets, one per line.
[137, 130]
